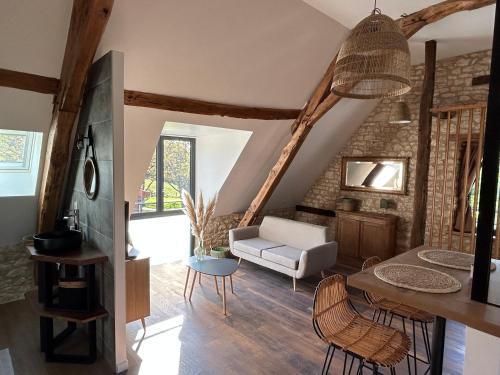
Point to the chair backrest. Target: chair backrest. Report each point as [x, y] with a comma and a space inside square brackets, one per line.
[371, 298]
[332, 311]
[293, 233]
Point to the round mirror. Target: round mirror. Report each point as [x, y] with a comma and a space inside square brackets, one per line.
[90, 178]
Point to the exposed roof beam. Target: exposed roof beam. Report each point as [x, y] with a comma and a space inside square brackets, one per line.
[30, 82]
[412, 23]
[48, 85]
[322, 100]
[88, 21]
[173, 103]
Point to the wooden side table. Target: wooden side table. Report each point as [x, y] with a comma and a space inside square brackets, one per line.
[138, 289]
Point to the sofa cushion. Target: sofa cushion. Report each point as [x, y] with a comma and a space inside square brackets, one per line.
[254, 246]
[293, 233]
[285, 255]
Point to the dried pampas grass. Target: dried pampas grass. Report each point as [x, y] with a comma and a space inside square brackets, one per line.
[198, 214]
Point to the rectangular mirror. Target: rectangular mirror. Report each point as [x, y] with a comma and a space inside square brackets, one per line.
[376, 174]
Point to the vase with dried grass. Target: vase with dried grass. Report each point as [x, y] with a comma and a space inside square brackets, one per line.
[199, 216]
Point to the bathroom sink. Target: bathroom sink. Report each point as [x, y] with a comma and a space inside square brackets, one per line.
[58, 240]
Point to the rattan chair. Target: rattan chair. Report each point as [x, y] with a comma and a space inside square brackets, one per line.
[341, 327]
[382, 306]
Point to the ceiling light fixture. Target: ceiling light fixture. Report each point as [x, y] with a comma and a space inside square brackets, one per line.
[400, 113]
[374, 61]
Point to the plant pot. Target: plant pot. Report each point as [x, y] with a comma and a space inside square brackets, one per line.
[219, 252]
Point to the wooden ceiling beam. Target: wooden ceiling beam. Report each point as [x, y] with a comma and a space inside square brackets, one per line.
[88, 22]
[49, 85]
[173, 103]
[412, 23]
[28, 81]
[320, 103]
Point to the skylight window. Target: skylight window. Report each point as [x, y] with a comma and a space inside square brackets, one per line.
[16, 149]
[19, 162]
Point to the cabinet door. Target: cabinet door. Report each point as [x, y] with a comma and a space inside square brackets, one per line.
[130, 291]
[373, 241]
[142, 298]
[348, 237]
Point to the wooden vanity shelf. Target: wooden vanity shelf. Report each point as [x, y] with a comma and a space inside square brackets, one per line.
[361, 235]
[46, 305]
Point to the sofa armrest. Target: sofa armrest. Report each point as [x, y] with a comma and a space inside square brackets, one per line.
[317, 259]
[244, 233]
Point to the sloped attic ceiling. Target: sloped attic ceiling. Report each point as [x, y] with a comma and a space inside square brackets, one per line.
[259, 53]
[458, 34]
[262, 53]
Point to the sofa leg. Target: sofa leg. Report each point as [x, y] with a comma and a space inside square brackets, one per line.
[294, 284]
[239, 261]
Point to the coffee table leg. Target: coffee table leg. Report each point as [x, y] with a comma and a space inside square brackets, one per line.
[224, 294]
[187, 280]
[199, 278]
[216, 285]
[231, 280]
[192, 284]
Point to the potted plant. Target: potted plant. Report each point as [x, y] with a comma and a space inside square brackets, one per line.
[199, 216]
[220, 252]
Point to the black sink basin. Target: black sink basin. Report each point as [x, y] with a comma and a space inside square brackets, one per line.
[57, 241]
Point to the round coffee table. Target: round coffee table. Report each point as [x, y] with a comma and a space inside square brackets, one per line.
[212, 267]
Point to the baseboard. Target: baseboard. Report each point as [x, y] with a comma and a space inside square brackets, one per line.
[122, 366]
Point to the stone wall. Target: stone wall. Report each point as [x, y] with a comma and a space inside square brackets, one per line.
[16, 273]
[218, 228]
[376, 137]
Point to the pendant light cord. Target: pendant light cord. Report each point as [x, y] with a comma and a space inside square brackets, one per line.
[375, 9]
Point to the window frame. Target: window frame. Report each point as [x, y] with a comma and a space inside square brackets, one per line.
[25, 165]
[160, 178]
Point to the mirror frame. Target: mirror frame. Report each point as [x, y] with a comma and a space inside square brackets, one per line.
[404, 160]
[91, 195]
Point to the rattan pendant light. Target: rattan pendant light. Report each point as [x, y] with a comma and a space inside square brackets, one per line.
[374, 61]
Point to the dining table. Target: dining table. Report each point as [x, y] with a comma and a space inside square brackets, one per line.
[457, 306]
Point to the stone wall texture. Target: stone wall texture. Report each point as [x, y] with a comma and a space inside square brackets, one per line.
[376, 137]
[218, 228]
[16, 273]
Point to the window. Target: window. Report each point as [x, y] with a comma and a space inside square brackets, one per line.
[19, 161]
[16, 149]
[170, 171]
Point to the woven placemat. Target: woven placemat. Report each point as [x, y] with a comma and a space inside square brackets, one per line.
[450, 259]
[417, 278]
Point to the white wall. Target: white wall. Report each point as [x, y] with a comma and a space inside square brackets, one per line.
[482, 353]
[217, 151]
[23, 110]
[119, 243]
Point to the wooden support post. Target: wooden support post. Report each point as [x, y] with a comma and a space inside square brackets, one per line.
[88, 21]
[322, 100]
[489, 178]
[423, 147]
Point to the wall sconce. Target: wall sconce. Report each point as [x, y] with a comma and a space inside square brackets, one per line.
[80, 142]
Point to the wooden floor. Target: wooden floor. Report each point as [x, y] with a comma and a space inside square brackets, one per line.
[268, 330]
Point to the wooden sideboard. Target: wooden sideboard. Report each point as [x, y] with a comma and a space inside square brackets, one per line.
[361, 235]
[137, 284]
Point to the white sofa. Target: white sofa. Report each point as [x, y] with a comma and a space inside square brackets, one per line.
[291, 247]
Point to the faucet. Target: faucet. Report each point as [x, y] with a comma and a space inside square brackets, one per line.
[75, 214]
